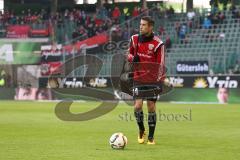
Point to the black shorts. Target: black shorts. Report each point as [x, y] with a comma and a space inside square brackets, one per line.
[147, 92]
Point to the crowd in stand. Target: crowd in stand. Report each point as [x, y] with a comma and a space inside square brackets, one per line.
[26, 17]
[216, 16]
[78, 24]
[110, 20]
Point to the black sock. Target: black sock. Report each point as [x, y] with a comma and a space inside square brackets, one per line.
[152, 118]
[139, 118]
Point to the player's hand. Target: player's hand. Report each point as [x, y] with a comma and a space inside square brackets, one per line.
[136, 59]
[130, 57]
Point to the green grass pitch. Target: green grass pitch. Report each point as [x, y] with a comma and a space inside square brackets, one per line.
[31, 131]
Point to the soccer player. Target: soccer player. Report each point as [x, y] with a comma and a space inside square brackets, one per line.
[147, 53]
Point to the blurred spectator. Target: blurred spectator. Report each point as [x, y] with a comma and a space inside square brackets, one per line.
[44, 15]
[214, 18]
[1, 17]
[99, 30]
[126, 13]
[170, 11]
[144, 11]
[135, 12]
[224, 4]
[157, 10]
[168, 42]
[82, 31]
[177, 27]
[128, 31]
[190, 15]
[214, 7]
[211, 71]
[161, 31]
[183, 31]
[66, 14]
[207, 23]
[116, 14]
[126, 34]
[221, 17]
[91, 30]
[236, 69]
[186, 40]
[134, 31]
[222, 35]
[2, 78]
[235, 12]
[116, 34]
[190, 25]
[75, 34]
[102, 12]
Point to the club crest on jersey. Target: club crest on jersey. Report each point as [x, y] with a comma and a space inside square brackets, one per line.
[150, 47]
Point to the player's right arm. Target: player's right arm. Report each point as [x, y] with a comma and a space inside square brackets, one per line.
[130, 55]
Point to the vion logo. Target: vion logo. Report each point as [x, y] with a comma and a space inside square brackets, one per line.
[214, 82]
[73, 83]
[176, 82]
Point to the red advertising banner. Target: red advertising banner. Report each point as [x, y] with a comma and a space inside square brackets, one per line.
[39, 32]
[93, 41]
[51, 68]
[18, 31]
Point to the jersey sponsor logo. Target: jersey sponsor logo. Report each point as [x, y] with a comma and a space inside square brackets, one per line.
[150, 47]
[144, 55]
[149, 52]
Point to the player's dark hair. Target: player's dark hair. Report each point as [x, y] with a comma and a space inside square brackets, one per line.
[149, 20]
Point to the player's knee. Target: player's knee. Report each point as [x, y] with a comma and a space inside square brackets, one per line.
[151, 106]
[138, 105]
[151, 109]
[150, 103]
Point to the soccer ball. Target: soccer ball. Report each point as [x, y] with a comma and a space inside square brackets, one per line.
[118, 141]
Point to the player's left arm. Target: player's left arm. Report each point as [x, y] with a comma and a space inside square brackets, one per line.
[160, 58]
